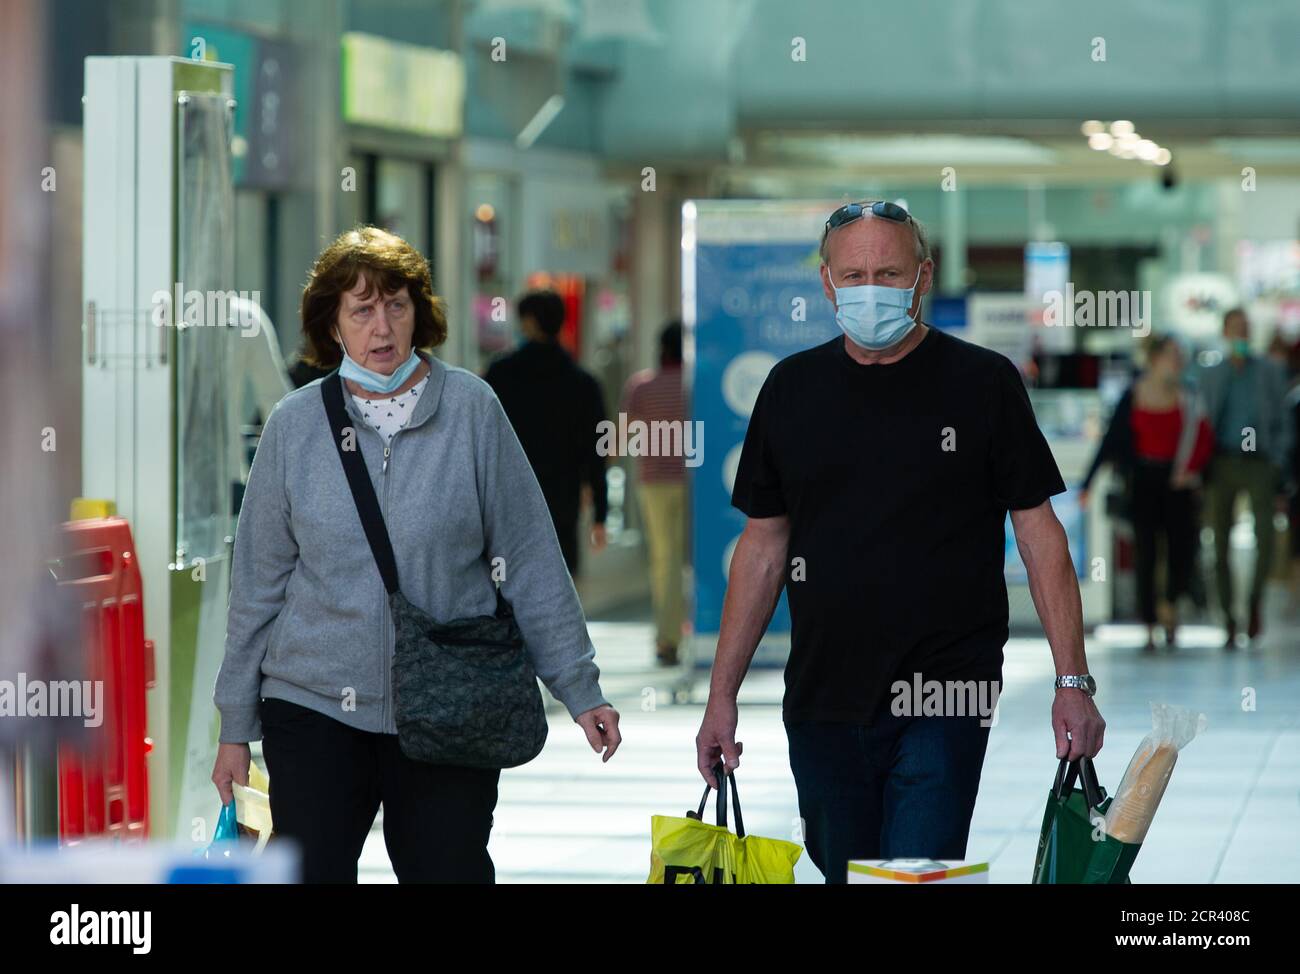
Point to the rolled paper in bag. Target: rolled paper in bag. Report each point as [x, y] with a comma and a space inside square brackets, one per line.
[1147, 776]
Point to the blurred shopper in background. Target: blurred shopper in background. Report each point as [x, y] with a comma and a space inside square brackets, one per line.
[1293, 407]
[655, 396]
[876, 475]
[1279, 351]
[555, 407]
[1159, 441]
[310, 634]
[1245, 397]
[301, 372]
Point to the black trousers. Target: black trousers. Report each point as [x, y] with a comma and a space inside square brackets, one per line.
[328, 781]
[1161, 511]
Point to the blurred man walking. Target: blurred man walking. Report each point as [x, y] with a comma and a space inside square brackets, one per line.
[555, 407]
[1245, 398]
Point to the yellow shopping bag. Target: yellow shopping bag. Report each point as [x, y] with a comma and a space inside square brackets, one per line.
[689, 850]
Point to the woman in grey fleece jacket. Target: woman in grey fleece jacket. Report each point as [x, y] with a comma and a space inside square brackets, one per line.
[310, 637]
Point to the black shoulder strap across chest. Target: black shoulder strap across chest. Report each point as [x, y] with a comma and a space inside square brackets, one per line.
[363, 491]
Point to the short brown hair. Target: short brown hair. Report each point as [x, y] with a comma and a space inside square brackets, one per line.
[386, 260]
[1157, 343]
[1238, 311]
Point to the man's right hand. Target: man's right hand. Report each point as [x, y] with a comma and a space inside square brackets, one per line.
[758, 569]
[232, 765]
[717, 740]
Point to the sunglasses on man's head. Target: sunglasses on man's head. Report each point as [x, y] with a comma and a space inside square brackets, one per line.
[856, 211]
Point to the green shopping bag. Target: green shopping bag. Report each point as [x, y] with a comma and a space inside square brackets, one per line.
[688, 850]
[1072, 846]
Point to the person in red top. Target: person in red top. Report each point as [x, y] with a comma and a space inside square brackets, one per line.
[1159, 441]
[653, 396]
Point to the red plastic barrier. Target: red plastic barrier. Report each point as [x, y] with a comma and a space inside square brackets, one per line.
[103, 782]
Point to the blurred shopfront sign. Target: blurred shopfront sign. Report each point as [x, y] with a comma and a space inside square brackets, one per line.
[1047, 280]
[274, 130]
[405, 87]
[949, 313]
[269, 113]
[567, 227]
[1268, 267]
[1000, 321]
[1196, 303]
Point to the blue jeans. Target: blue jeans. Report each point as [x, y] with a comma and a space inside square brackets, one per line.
[904, 788]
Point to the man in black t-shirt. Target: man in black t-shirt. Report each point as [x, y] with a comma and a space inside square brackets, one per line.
[876, 474]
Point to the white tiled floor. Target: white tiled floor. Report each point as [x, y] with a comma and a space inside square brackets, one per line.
[1230, 814]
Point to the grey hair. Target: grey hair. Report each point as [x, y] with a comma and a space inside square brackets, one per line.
[918, 231]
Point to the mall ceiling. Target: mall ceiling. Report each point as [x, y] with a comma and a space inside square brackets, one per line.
[770, 82]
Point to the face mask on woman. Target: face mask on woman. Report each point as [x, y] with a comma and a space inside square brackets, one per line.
[377, 381]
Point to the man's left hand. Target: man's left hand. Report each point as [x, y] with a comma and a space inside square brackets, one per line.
[1074, 714]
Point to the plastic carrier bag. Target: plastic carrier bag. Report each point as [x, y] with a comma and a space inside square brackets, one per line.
[1072, 848]
[688, 850]
[1147, 776]
[248, 816]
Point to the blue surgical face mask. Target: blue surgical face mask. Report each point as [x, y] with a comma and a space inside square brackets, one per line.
[874, 317]
[377, 381]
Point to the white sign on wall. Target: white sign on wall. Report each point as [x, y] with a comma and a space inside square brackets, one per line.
[1196, 303]
[401, 86]
[1000, 322]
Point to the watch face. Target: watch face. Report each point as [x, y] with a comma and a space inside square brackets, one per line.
[1090, 685]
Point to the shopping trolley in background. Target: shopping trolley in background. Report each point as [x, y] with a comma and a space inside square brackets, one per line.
[103, 779]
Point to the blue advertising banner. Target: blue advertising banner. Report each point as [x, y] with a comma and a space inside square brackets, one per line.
[753, 295]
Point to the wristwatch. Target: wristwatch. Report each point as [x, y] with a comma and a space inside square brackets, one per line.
[1085, 683]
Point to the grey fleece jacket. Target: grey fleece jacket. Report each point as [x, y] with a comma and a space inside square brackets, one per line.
[308, 618]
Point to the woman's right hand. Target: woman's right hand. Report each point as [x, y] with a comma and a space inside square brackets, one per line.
[232, 765]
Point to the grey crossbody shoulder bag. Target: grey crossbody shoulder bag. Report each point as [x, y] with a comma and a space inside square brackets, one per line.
[464, 692]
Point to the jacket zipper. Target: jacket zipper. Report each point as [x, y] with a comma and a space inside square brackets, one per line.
[387, 655]
[388, 651]
[384, 655]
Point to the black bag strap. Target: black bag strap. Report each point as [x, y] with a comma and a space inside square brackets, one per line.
[1082, 769]
[363, 491]
[722, 799]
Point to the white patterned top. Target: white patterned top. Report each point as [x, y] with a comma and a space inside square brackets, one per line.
[391, 413]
